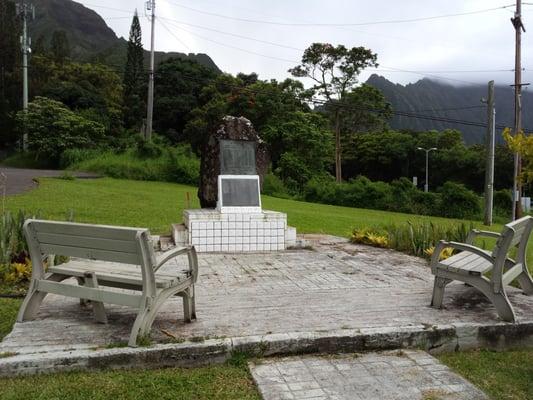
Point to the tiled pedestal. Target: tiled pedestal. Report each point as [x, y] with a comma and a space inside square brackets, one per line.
[212, 231]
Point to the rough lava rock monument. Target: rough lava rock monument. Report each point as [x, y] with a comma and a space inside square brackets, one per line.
[227, 152]
[234, 162]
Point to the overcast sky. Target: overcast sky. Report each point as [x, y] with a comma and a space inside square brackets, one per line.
[480, 41]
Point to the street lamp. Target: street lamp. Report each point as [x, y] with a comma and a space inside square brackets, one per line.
[426, 184]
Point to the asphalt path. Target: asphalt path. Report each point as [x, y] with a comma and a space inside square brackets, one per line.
[20, 180]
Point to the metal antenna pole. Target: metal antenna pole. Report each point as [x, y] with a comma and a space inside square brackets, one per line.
[150, 111]
[25, 47]
[489, 170]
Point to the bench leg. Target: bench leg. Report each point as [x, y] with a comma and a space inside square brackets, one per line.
[188, 308]
[503, 306]
[438, 291]
[98, 306]
[193, 302]
[83, 302]
[34, 298]
[525, 282]
[139, 327]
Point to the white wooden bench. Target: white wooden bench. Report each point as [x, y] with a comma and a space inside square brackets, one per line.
[473, 264]
[106, 260]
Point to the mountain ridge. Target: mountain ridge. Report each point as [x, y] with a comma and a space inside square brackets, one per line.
[90, 38]
[436, 99]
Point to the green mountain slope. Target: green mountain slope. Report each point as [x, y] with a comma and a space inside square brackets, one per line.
[435, 99]
[89, 36]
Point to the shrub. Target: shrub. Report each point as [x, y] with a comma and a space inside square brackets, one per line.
[273, 186]
[503, 201]
[148, 149]
[458, 202]
[53, 128]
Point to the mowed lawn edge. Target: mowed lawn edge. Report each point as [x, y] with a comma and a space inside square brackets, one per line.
[156, 205]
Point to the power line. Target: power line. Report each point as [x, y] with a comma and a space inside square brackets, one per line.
[233, 34]
[173, 34]
[237, 48]
[397, 21]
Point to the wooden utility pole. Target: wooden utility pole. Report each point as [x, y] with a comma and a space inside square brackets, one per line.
[489, 170]
[519, 27]
[150, 6]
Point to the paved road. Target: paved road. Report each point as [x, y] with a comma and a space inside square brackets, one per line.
[19, 180]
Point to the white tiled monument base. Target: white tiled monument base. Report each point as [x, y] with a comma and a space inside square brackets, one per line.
[210, 230]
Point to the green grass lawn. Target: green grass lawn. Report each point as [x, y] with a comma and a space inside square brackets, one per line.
[8, 315]
[156, 205]
[502, 375]
[220, 382]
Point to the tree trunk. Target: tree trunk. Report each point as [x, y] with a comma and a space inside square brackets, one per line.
[338, 150]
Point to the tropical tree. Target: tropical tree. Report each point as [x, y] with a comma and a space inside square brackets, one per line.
[134, 78]
[335, 72]
[9, 73]
[60, 46]
[178, 84]
[54, 128]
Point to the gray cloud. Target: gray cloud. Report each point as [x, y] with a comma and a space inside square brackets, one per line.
[483, 41]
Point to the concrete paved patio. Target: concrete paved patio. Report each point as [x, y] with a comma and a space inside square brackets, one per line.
[337, 289]
[394, 375]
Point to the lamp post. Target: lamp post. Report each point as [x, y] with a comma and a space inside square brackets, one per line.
[426, 184]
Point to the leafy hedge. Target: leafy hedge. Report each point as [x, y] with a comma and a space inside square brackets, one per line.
[452, 200]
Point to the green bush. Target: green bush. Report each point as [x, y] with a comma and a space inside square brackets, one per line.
[53, 128]
[456, 201]
[503, 201]
[273, 186]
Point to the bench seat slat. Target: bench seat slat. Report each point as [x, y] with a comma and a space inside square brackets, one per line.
[125, 274]
[466, 263]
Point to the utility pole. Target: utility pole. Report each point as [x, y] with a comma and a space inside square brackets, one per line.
[519, 27]
[25, 10]
[426, 183]
[150, 6]
[489, 170]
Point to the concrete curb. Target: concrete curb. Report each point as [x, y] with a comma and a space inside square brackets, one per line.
[434, 339]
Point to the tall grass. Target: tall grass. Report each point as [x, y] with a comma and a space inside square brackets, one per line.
[411, 238]
[13, 246]
[177, 165]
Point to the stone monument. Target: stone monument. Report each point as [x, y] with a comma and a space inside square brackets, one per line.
[233, 165]
[234, 148]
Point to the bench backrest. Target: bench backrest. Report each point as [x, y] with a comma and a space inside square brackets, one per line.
[514, 234]
[94, 242]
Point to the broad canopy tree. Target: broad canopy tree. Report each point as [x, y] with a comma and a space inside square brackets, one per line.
[334, 71]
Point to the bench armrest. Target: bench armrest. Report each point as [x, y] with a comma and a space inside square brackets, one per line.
[469, 248]
[170, 254]
[474, 233]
